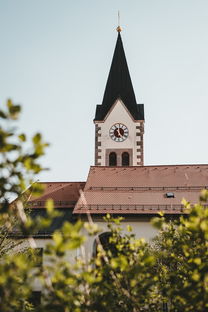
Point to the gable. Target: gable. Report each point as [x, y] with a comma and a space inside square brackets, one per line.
[118, 112]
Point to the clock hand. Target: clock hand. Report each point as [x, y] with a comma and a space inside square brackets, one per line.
[119, 133]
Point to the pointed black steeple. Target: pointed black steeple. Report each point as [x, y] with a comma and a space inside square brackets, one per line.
[119, 85]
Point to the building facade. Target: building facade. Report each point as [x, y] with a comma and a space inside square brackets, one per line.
[120, 183]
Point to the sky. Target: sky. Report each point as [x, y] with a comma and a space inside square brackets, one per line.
[55, 57]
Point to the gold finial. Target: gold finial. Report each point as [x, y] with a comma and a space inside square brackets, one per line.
[119, 29]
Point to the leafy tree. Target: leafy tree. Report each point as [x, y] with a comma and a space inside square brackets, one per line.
[18, 164]
[181, 251]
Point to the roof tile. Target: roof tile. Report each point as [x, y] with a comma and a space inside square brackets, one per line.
[141, 189]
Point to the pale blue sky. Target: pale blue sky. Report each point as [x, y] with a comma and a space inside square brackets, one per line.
[55, 56]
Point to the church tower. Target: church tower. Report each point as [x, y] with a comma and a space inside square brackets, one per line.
[119, 120]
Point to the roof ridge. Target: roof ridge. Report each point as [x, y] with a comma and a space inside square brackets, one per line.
[149, 166]
[50, 182]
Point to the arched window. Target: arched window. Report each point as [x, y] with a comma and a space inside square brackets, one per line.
[112, 159]
[104, 240]
[125, 159]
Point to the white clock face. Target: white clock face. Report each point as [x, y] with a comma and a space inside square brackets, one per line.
[119, 132]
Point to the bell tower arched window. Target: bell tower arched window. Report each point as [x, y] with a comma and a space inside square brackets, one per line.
[125, 159]
[112, 159]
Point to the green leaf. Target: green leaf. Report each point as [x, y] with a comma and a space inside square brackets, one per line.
[129, 228]
[3, 115]
[22, 137]
[197, 261]
[37, 138]
[57, 237]
[204, 195]
[14, 110]
[49, 206]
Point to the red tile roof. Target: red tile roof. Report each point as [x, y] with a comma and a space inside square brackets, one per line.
[141, 189]
[64, 194]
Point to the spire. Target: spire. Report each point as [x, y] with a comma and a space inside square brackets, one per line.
[119, 85]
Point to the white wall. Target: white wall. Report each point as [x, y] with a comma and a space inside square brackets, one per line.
[141, 229]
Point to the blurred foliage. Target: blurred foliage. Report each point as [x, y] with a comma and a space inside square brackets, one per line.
[181, 251]
[18, 162]
[123, 274]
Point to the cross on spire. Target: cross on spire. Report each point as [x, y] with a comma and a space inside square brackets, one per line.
[119, 29]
